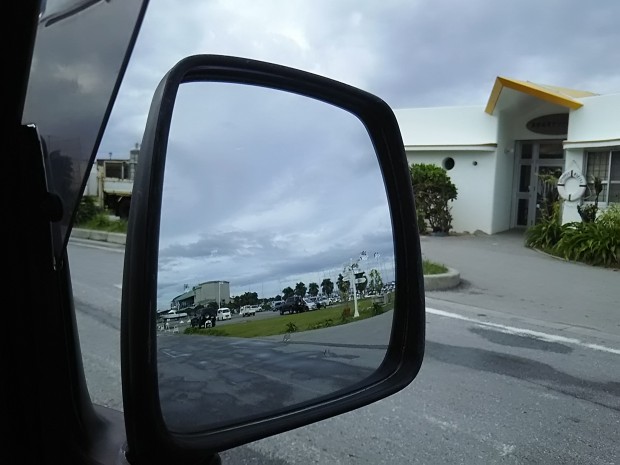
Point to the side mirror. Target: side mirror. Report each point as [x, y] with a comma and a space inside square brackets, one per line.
[236, 155]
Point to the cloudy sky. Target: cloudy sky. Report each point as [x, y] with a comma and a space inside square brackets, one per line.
[410, 53]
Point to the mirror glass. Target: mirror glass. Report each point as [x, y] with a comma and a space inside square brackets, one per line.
[273, 204]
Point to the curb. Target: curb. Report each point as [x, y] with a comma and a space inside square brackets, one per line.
[442, 281]
[103, 236]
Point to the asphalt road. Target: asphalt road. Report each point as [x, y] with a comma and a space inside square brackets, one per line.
[521, 366]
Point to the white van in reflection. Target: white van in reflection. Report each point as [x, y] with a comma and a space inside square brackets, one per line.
[223, 314]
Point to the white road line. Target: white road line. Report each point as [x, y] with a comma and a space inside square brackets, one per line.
[525, 332]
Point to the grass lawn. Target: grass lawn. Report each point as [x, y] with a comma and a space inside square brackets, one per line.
[102, 222]
[315, 319]
[429, 267]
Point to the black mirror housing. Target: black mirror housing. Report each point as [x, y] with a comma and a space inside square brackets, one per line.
[149, 441]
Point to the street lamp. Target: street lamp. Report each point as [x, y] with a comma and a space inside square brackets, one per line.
[353, 281]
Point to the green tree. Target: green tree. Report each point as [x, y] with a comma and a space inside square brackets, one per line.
[343, 286]
[313, 289]
[434, 191]
[327, 286]
[287, 292]
[251, 298]
[87, 210]
[248, 298]
[300, 289]
[376, 283]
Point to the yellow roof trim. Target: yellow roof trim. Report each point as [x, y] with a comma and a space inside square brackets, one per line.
[557, 95]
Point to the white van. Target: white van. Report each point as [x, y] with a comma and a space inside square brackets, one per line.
[224, 314]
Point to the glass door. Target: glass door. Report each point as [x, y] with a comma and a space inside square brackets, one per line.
[539, 164]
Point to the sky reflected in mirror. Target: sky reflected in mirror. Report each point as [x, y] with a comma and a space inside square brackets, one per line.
[267, 194]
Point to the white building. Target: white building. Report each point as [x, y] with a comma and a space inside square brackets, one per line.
[203, 294]
[494, 154]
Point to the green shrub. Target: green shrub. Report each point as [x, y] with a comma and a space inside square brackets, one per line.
[595, 243]
[377, 308]
[433, 191]
[205, 331]
[87, 210]
[345, 316]
[611, 216]
[422, 227]
[102, 222]
[322, 324]
[588, 211]
[291, 327]
[547, 232]
[91, 216]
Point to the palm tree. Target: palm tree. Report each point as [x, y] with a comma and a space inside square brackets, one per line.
[327, 286]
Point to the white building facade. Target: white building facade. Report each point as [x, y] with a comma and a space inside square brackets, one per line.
[496, 154]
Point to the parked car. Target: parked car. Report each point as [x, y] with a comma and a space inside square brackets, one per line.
[312, 304]
[224, 314]
[247, 310]
[275, 306]
[294, 304]
[205, 319]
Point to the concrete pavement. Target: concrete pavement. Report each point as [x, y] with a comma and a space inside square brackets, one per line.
[499, 274]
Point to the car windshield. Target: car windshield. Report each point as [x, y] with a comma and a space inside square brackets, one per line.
[509, 113]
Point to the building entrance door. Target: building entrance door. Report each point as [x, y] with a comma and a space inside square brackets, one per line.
[538, 165]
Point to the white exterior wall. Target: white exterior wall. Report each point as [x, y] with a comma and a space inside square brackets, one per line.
[473, 208]
[486, 190]
[513, 128]
[503, 192]
[468, 135]
[210, 291]
[593, 126]
[574, 160]
[92, 184]
[446, 126]
[598, 120]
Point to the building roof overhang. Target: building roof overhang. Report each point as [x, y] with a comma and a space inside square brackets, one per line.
[491, 147]
[505, 88]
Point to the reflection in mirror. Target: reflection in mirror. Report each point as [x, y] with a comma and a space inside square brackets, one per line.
[267, 196]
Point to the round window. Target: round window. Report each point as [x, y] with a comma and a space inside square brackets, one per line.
[448, 163]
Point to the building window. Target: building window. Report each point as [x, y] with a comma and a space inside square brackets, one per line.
[605, 165]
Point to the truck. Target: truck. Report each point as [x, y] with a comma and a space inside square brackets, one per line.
[247, 310]
[111, 182]
[293, 304]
